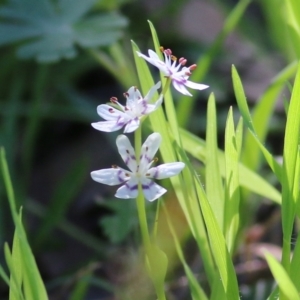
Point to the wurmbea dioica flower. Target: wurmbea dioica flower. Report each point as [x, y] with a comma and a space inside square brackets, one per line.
[129, 115]
[141, 172]
[171, 69]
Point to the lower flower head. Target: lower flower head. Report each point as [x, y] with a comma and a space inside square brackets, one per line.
[140, 173]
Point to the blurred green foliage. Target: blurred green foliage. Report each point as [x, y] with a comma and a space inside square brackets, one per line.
[50, 31]
[52, 53]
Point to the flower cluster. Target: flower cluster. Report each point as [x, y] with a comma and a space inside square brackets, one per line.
[142, 173]
[117, 116]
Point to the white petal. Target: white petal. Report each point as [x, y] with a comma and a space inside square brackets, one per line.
[196, 86]
[108, 112]
[145, 109]
[165, 170]
[148, 151]
[127, 152]
[108, 126]
[155, 60]
[152, 91]
[181, 88]
[148, 59]
[153, 55]
[129, 190]
[112, 176]
[133, 96]
[132, 125]
[151, 190]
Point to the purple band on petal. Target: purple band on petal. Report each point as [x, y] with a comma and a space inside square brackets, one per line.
[120, 122]
[131, 188]
[182, 81]
[147, 186]
[145, 106]
[147, 158]
[155, 175]
[132, 157]
[120, 177]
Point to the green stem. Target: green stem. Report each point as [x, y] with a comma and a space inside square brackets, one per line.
[140, 202]
[8, 185]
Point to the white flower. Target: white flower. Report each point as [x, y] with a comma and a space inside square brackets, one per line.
[171, 69]
[129, 115]
[139, 173]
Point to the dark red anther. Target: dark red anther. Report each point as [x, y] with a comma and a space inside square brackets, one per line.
[182, 61]
[193, 67]
[111, 110]
[114, 99]
[168, 51]
[114, 166]
[126, 95]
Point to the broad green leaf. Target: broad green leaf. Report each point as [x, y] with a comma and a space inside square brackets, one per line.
[51, 31]
[285, 284]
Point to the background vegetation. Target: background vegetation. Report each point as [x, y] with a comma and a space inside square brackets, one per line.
[60, 59]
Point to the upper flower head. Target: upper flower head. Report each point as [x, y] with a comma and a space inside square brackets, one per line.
[129, 115]
[139, 173]
[171, 69]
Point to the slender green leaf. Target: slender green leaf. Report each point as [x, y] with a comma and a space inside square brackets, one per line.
[196, 290]
[213, 179]
[295, 264]
[248, 179]
[285, 284]
[232, 193]
[290, 155]
[261, 116]
[33, 284]
[16, 269]
[243, 107]
[15, 285]
[218, 245]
